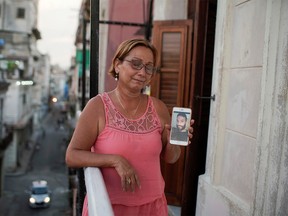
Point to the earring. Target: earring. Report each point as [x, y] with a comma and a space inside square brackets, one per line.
[116, 76]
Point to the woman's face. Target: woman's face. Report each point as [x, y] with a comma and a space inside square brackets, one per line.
[130, 73]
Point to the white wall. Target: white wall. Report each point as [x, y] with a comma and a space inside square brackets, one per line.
[170, 9]
[22, 25]
[103, 38]
[246, 167]
[11, 105]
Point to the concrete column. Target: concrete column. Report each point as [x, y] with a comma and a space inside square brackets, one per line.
[271, 196]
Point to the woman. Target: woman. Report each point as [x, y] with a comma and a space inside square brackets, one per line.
[125, 132]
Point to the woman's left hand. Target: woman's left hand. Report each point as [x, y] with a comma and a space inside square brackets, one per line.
[172, 152]
[190, 130]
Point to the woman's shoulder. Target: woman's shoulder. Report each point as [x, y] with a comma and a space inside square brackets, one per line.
[96, 100]
[160, 108]
[94, 104]
[158, 103]
[93, 111]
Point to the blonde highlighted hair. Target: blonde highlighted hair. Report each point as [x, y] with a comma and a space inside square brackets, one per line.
[126, 46]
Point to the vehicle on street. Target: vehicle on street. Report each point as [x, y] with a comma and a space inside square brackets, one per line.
[40, 195]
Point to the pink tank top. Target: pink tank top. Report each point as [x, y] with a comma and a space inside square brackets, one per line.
[139, 141]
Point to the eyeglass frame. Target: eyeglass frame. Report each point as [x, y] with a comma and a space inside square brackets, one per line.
[154, 69]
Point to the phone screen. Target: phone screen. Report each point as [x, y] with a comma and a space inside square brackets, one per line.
[180, 123]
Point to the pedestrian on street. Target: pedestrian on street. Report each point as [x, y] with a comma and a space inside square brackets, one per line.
[125, 133]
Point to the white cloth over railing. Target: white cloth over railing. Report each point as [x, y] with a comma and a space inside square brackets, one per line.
[98, 199]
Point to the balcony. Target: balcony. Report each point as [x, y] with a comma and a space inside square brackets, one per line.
[97, 193]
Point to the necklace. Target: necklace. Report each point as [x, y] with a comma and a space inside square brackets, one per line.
[123, 107]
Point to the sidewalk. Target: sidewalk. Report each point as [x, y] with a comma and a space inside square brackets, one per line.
[28, 152]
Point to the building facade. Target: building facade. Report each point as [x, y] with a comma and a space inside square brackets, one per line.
[246, 169]
[20, 61]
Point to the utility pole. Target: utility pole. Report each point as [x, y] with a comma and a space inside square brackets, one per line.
[80, 172]
[94, 67]
[84, 23]
[94, 47]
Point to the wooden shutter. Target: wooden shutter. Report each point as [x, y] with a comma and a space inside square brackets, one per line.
[173, 42]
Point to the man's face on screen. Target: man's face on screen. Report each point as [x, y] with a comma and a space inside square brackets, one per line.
[181, 123]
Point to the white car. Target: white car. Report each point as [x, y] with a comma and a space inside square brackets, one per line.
[40, 196]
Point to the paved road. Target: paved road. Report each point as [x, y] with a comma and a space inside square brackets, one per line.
[47, 163]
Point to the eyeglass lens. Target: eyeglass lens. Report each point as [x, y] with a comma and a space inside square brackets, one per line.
[138, 65]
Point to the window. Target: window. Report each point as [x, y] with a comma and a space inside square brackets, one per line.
[24, 99]
[172, 39]
[20, 13]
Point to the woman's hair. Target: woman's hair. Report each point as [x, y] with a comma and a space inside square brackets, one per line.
[126, 46]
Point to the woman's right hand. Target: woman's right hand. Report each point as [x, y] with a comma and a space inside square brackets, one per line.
[128, 175]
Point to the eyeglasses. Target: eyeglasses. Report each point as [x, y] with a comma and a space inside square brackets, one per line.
[138, 65]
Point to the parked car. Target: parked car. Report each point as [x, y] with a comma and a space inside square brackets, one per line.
[40, 195]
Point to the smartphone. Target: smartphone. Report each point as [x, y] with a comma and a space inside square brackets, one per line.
[180, 123]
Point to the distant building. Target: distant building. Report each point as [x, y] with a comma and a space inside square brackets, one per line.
[20, 61]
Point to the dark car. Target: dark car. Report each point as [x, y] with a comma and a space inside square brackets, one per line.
[40, 195]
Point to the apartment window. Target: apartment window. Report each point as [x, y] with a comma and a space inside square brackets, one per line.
[0, 10]
[24, 99]
[20, 13]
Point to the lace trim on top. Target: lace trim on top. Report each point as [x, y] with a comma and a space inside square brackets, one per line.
[148, 122]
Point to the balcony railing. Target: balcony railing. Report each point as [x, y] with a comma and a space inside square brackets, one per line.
[98, 199]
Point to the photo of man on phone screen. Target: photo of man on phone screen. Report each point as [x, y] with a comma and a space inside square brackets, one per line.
[180, 131]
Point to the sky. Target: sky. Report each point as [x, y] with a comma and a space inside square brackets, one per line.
[57, 23]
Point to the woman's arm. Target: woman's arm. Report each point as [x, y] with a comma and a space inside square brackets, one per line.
[170, 153]
[91, 121]
[78, 154]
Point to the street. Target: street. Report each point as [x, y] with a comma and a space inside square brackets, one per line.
[47, 163]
